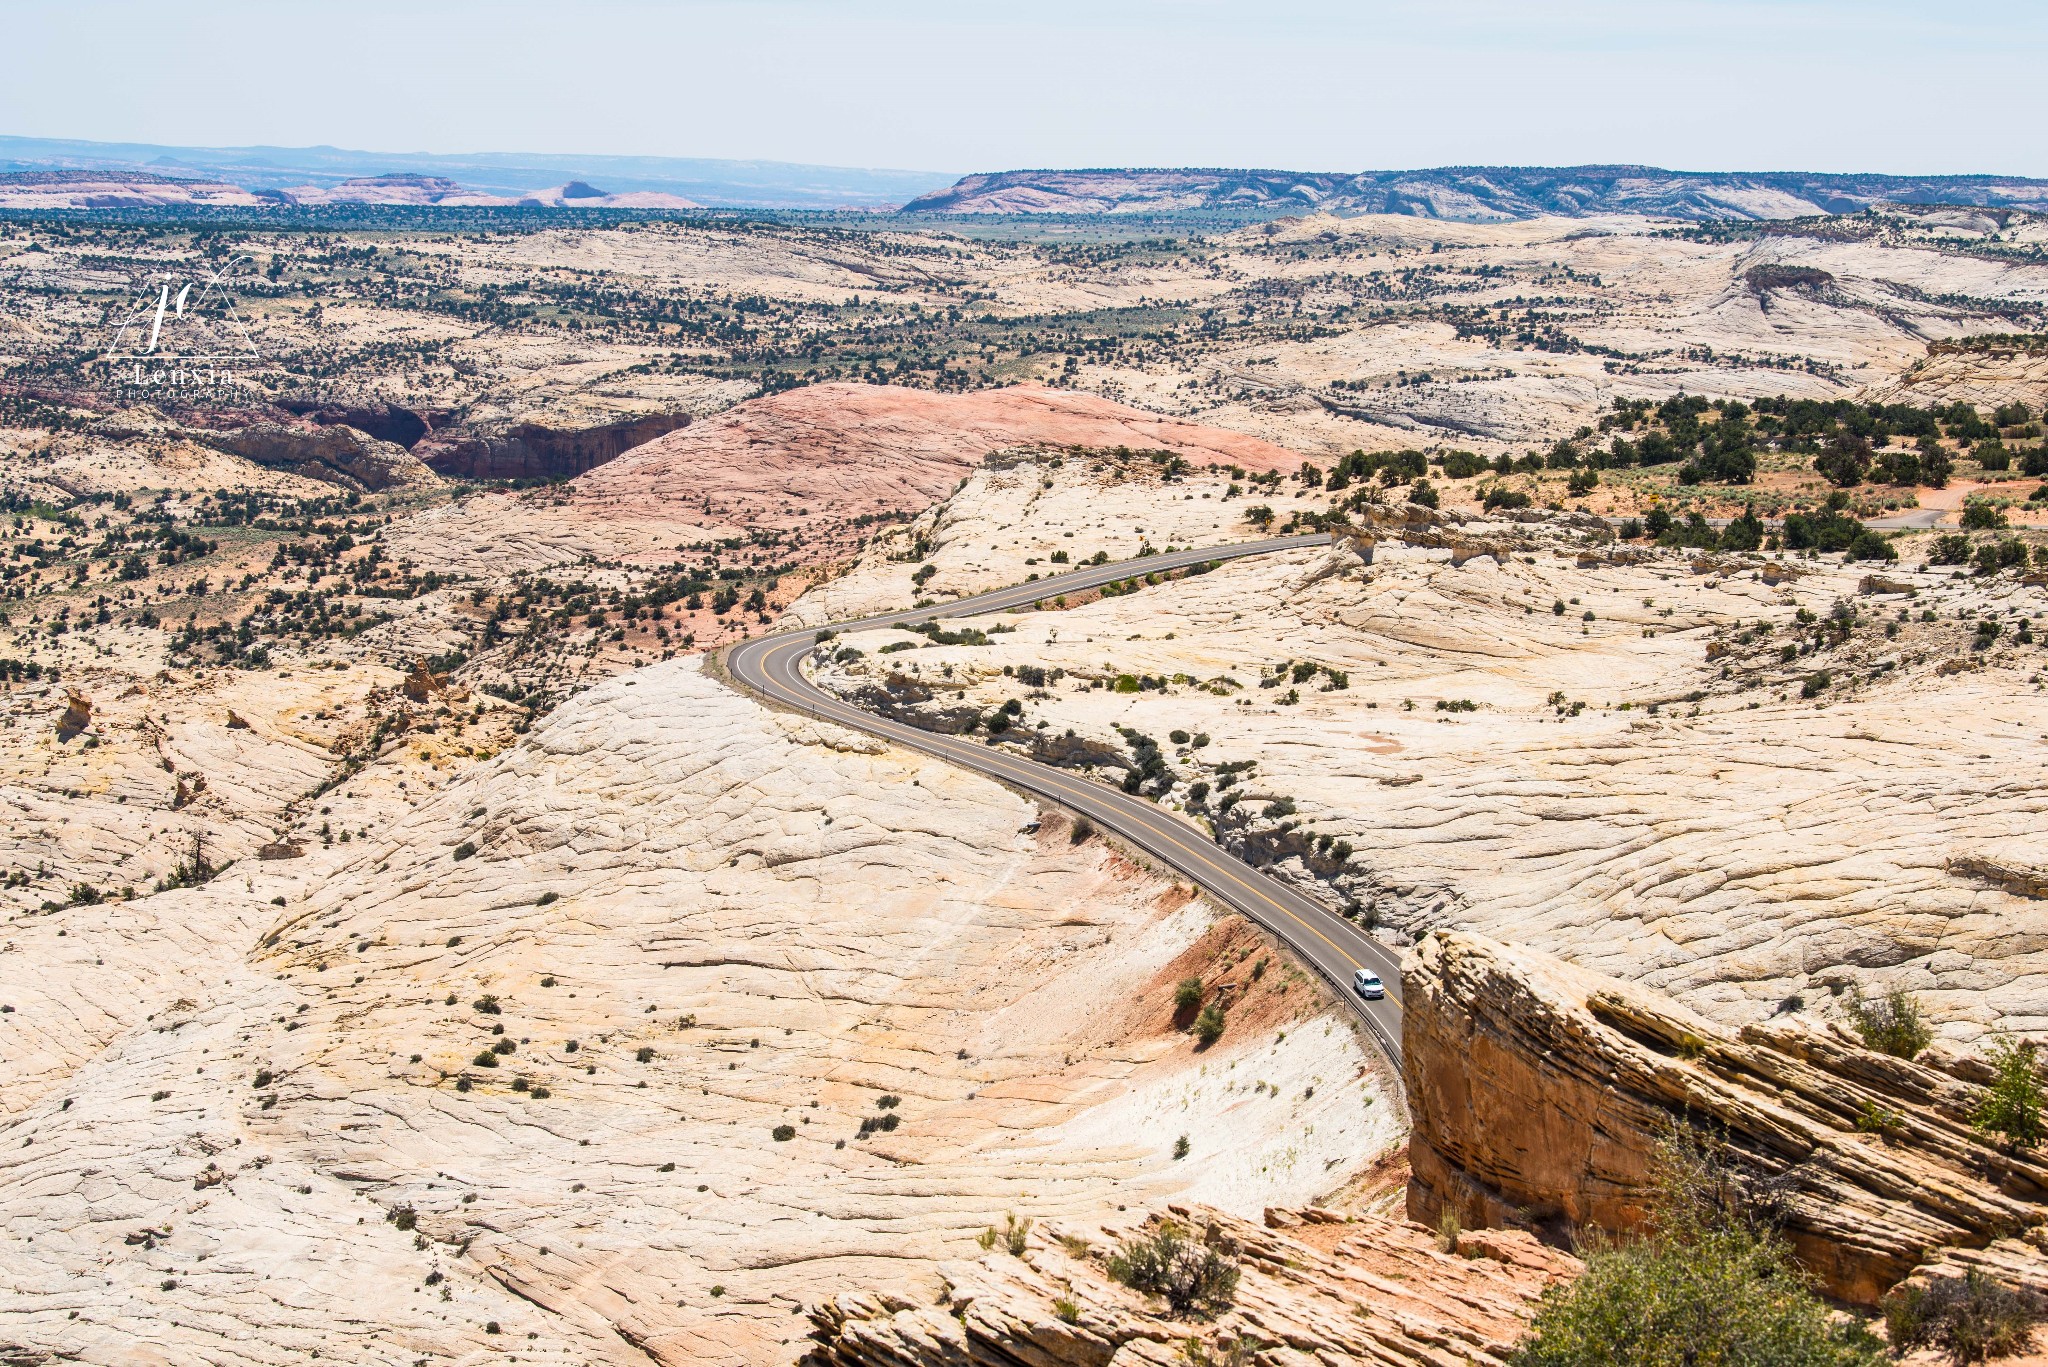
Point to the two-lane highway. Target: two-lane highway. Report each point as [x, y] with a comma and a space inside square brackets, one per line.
[771, 668]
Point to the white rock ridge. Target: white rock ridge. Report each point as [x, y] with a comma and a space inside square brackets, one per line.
[697, 922]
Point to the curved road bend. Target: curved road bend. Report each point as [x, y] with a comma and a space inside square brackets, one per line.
[770, 668]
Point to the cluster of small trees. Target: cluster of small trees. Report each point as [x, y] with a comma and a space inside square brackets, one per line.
[1989, 556]
[1849, 441]
[1829, 528]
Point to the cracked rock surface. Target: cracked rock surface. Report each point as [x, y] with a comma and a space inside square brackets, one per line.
[626, 1043]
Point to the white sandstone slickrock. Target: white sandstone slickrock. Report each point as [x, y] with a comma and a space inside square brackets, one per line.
[697, 922]
[1760, 853]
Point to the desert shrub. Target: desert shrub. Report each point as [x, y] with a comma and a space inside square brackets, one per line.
[1209, 1025]
[465, 849]
[1971, 1318]
[2011, 1106]
[1711, 1282]
[1881, 1121]
[1067, 1310]
[1015, 1234]
[1891, 1024]
[1498, 497]
[1714, 1286]
[782, 1134]
[1084, 830]
[1949, 550]
[1424, 493]
[487, 1003]
[1187, 995]
[1728, 1296]
[1981, 517]
[1193, 1278]
[644, 1054]
[1180, 1148]
[487, 1059]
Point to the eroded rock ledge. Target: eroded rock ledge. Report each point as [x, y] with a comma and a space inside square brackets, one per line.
[1330, 1290]
[1540, 1092]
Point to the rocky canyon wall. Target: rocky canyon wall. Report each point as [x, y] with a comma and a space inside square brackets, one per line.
[1541, 1092]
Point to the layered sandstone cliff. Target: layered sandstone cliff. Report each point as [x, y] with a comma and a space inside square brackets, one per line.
[1541, 1092]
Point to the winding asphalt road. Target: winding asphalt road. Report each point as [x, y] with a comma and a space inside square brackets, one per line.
[771, 669]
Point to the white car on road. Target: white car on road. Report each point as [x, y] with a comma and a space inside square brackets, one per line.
[1368, 985]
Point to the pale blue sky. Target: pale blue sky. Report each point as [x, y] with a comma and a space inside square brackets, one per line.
[958, 85]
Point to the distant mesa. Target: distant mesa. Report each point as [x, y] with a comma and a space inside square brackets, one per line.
[120, 190]
[395, 189]
[1481, 194]
[581, 194]
[1470, 193]
[128, 188]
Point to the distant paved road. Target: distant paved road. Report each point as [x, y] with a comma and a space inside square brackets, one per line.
[769, 668]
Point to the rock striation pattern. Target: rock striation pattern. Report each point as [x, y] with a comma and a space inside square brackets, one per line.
[804, 463]
[632, 1037]
[1540, 1094]
[1674, 769]
[1329, 1288]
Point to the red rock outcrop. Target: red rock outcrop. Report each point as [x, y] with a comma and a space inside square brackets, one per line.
[857, 448]
[807, 463]
[1540, 1093]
